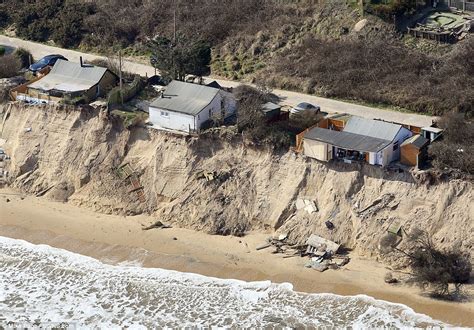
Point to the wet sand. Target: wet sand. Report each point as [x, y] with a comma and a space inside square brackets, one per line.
[115, 239]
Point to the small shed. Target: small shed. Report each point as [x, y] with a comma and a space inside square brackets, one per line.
[271, 111]
[431, 133]
[414, 150]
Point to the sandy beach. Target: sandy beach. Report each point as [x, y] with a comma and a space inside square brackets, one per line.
[115, 239]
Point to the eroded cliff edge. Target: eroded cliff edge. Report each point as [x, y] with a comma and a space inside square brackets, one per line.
[72, 154]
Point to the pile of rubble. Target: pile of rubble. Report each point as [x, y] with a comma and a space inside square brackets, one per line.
[322, 253]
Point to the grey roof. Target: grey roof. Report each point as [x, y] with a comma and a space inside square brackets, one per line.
[432, 129]
[373, 128]
[70, 77]
[214, 84]
[417, 140]
[270, 106]
[347, 140]
[186, 98]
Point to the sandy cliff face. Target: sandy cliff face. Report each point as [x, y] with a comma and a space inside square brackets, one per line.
[74, 153]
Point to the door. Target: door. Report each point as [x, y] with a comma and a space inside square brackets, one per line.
[372, 158]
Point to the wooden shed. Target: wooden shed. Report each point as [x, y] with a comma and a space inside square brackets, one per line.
[271, 111]
[413, 150]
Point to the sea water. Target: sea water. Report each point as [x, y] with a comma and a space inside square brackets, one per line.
[44, 286]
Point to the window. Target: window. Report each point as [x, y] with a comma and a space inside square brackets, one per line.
[395, 146]
[165, 114]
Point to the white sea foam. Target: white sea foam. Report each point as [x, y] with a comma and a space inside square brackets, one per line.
[42, 284]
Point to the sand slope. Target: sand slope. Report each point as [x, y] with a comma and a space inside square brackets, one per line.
[74, 153]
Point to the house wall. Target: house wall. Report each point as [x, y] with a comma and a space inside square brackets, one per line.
[173, 120]
[409, 155]
[336, 124]
[318, 150]
[37, 96]
[393, 149]
[213, 109]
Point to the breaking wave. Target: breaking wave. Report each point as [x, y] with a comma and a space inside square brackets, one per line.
[41, 284]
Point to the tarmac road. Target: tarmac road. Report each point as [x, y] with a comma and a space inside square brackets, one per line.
[287, 97]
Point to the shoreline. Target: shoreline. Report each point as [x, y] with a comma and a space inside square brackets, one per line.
[115, 239]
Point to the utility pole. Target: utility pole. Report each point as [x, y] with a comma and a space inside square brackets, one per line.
[174, 38]
[174, 22]
[120, 76]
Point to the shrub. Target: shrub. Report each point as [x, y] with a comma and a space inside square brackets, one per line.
[305, 119]
[432, 268]
[129, 91]
[379, 72]
[4, 17]
[24, 56]
[456, 147]
[9, 66]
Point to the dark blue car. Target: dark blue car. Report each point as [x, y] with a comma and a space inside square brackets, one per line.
[44, 62]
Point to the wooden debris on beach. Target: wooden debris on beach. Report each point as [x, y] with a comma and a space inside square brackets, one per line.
[44, 191]
[158, 224]
[322, 252]
[322, 244]
[263, 246]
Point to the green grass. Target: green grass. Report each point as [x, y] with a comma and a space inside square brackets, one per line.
[130, 118]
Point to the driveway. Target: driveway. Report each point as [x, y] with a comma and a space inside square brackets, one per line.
[287, 97]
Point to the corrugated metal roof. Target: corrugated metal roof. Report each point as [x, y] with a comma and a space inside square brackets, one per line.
[185, 97]
[417, 140]
[373, 128]
[347, 140]
[70, 77]
[270, 106]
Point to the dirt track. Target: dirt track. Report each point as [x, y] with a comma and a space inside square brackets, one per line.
[289, 98]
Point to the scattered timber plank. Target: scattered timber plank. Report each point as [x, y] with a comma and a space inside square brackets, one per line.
[44, 191]
[263, 246]
[157, 224]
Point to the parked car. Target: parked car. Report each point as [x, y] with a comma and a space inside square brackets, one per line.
[48, 60]
[304, 106]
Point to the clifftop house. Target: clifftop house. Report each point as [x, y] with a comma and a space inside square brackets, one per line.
[186, 106]
[68, 81]
[356, 139]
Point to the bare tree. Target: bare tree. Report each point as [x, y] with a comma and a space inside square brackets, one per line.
[432, 268]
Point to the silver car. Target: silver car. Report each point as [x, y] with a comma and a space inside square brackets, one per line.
[304, 106]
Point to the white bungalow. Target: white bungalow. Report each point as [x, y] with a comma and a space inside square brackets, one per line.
[186, 106]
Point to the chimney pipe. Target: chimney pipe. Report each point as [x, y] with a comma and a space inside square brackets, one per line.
[80, 60]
